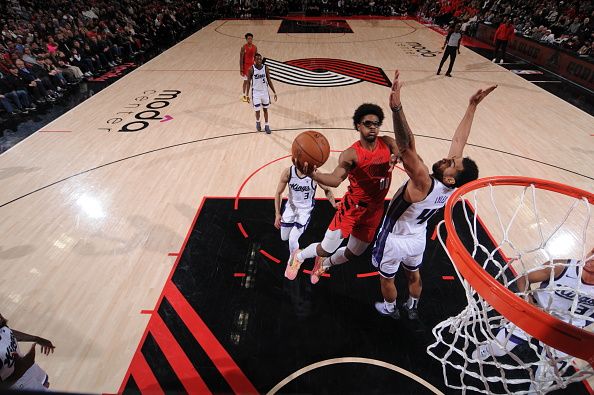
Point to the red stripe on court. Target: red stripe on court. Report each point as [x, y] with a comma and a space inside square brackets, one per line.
[146, 330]
[173, 254]
[236, 379]
[143, 376]
[370, 274]
[147, 311]
[56, 131]
[243, 232]
[434, 235]
[267, 255]
[177, 358]
[448, 278]
[238, 274]
[309, 272]
[251, 175]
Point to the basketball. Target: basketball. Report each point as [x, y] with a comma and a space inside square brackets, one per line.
[311, 147]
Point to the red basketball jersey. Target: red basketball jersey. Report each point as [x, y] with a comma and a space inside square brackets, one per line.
[248, 55]
[370, 178]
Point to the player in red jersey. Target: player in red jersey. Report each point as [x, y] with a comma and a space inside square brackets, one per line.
[246, 61]
[368, 164]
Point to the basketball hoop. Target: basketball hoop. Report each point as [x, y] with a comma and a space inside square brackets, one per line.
[487, 274]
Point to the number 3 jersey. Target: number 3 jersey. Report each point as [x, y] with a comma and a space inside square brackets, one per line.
[404, 218]
[302, 191]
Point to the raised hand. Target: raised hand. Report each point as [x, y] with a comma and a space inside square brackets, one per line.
[480, 95]
[395, 94]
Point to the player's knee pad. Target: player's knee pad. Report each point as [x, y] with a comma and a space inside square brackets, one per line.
[332, 240]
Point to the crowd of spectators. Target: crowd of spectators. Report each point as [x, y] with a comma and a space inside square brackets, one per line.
[280, 8]
[46, 46]
[568, 24]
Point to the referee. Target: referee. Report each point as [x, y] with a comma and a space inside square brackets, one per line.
[451, 46]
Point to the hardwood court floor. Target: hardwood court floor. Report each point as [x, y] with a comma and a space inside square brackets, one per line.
[91, 214]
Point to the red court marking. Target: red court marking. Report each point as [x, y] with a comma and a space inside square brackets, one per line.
[251, 175]
[177, 358]
[434, 235]
[238, 274]
[448, 278]
[146, 330]
[56, 131]
[267, 255]
[309, 272]
[147, 311]
[144, 376]
[370, 274]
[243, 232]
[173, 254]
[236, 379]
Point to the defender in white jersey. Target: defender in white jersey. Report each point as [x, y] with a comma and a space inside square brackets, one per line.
[402, 235]
[259, 80]
[18, 371]
[557, 297]
[297, 211]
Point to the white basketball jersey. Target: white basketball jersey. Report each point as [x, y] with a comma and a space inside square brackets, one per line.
[301, 191]
[259, 81]
[8, 346]
[404, 218]
[559, 301]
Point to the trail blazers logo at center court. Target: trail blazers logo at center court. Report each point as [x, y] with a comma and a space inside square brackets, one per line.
[324, 72]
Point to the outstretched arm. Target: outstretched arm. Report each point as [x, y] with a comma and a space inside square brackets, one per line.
[463, 131]
[280, 188]
[46, 345]
[346, 161]
[405, 140]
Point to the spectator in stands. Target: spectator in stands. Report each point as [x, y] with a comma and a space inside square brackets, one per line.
[548, 37]
[586, 49]
[503, 34]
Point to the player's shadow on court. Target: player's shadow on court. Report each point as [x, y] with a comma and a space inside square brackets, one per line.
[146, 234]
[16, 252]
[8, 172]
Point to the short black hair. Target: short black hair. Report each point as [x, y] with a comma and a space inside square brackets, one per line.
[367, 109]
[257, 54]
[470, 172]
[249, 35]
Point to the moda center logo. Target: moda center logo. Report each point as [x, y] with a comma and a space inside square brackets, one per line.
[416, 49]
[325, 72]
[147, 109]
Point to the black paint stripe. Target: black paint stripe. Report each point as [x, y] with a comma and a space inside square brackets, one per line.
[194, 351]
[160, 366]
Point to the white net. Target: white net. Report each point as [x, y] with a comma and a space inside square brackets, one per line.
[535, 243]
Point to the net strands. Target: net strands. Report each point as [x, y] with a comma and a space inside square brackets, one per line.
[489, 351]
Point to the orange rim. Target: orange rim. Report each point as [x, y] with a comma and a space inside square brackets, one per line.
[546, 328]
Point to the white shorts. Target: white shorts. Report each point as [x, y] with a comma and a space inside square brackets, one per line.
[389, 253]
[33, 380]
[260, 100]
[298, 217]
